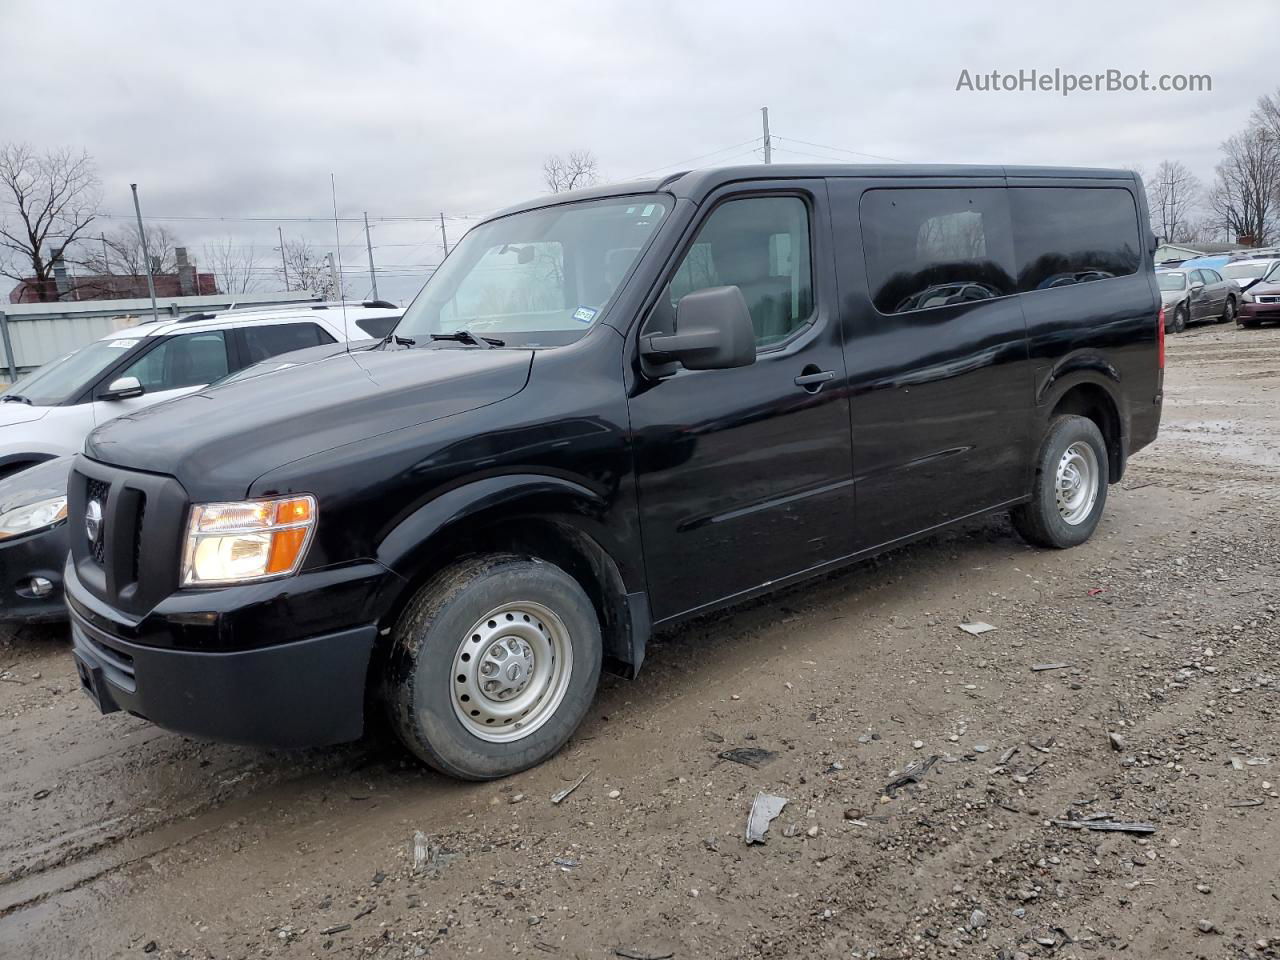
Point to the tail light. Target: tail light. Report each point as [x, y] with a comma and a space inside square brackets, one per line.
[1160, 340]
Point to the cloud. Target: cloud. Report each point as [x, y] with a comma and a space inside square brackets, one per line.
[239, 108]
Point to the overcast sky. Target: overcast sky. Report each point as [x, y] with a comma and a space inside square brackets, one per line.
[232, 109]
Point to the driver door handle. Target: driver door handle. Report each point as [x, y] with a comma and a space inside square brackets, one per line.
[813, 381]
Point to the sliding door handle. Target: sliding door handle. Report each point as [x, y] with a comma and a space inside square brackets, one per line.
[812, 378]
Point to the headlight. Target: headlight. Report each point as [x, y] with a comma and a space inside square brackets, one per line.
[250, 540]
[1247, 297]
[32, 517]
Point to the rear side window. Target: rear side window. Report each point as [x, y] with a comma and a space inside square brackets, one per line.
[189, 360]
[267, 340]
[377, 327]
[761, 246]
[934, 247]
[1069, 235]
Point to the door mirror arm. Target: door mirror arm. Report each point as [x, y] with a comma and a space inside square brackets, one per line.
[122, 388]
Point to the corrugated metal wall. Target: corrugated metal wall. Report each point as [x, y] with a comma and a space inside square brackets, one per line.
[36, 341]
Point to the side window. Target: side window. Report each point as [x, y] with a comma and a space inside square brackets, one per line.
[1067, 235]
[377, 327]
[934, 247]
[1200, 276]
[761, 246]
[187, 360]
[268, 339]
[1212, 276]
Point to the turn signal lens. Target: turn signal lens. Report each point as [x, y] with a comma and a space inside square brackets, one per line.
[245, 541]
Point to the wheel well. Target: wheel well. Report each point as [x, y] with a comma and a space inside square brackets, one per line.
[1093, 402]
[573, 551]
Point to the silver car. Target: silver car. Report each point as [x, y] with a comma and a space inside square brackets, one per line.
[1200, 293]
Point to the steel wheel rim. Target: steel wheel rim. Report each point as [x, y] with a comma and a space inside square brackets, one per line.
[511, 671]
[1076, 482]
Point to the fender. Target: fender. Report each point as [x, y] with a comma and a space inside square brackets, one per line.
[566, 503]
[1094, 371]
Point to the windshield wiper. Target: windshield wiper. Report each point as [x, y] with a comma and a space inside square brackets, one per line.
[15, 398]
[466, 336]
[398, 341]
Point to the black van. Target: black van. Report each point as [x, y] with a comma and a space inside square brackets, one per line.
[606, 412]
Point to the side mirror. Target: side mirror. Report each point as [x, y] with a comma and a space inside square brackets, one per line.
[713, 332]
[122, 388]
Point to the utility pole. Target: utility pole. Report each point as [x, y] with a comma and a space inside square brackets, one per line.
[106, 259]
[284, 264]
[373, 276]
[444, 237]
[768, 144]
[146, 254]
[333, 276]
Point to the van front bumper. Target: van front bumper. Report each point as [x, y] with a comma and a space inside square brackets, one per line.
[284, 689]
[300, 694]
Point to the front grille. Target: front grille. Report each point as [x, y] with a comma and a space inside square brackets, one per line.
[98, 490]
[132, 561]
[1268, 299]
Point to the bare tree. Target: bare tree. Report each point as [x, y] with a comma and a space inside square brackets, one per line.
[579, 169]
[47, 201]
[1246, 195]
[233, 267]
[1173, 197]
[119, 253]
[308, 270]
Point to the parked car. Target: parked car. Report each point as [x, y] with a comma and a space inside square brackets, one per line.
[1248, 272]
[607, 412]
[33, 501]
[47, 413]
[1261, 302]
[1189, 295]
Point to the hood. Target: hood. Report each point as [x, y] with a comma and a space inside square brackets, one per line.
[44, 480]
[1172, 296]
[1266, 288]
[218, 441]
[15, 411]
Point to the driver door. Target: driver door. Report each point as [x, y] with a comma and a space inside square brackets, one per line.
[174, 367]
[745, 475]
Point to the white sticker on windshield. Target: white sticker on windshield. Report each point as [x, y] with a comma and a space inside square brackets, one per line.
[121, 344]
[584, 314]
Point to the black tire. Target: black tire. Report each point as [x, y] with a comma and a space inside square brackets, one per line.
[1039, 521]
[1180, 316]
[1229, 311]
[435, 628]
[1250, 324]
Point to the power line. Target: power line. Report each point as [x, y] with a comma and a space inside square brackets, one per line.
[823, 146]
[701, 156]
[435, 218]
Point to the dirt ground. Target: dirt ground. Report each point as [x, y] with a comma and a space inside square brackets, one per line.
[118, 839]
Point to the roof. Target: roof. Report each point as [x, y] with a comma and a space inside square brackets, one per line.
[695, 185]
[332, 313]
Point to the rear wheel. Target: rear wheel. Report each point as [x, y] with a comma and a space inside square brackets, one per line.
[495, 662]
[1069, 491]
[1229, 311]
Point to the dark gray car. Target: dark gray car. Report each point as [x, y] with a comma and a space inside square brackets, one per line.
[1197, 294]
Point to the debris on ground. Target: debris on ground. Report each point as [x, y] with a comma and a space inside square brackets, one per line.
[1042, 667]
[560, 795]
[764, 810]
[976, 627]
[336, 928]
[1118, 742]
[630, 953]
[913, 773]
[754, 757]
[1116, 826]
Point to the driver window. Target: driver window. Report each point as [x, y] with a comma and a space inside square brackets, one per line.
[189, 360]
[761, 246]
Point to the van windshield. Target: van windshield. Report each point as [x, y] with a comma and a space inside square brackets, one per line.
[60, 380]
[538, 278]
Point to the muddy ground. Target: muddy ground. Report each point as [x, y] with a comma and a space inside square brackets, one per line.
[118, 839]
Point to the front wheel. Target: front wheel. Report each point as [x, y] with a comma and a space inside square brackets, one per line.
[1180, 316]
[494, 663]
[1070, 486]
[1229, 311]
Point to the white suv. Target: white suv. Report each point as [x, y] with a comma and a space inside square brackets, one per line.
[49, 412]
